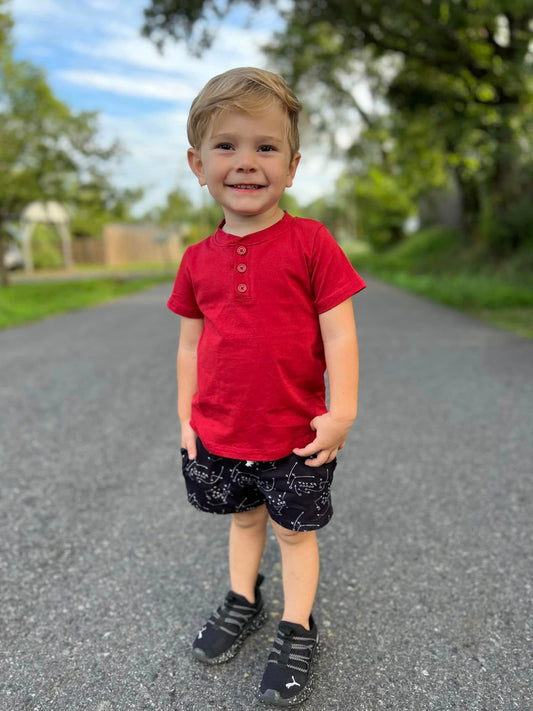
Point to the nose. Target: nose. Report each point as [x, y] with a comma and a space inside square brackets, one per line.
[245, 161]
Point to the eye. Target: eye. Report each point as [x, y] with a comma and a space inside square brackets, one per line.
[266, 149]
[224, 146]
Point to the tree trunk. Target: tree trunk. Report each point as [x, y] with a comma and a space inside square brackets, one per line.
[4, 276]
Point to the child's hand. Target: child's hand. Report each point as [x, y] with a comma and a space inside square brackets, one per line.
[331, 436]
[188, 439]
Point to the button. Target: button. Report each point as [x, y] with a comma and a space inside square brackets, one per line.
[242, 288]
[241, 268]
[241, 250]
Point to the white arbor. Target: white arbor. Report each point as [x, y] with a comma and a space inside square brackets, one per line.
[48, 213]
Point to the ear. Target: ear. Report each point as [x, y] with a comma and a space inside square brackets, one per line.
[292, 170]
[196, 165]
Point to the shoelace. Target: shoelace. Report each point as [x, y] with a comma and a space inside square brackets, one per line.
[292, 651]
[232, 616]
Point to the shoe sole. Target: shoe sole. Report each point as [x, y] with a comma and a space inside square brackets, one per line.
[255, 624]
[274, 698]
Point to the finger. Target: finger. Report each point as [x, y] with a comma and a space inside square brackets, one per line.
[323, 457]
[192, 450]
[312, 448]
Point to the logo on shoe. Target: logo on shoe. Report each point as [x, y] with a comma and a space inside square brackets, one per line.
[292, 683]
[201, 632]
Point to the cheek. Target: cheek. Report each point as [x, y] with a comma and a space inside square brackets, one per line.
[217, 170]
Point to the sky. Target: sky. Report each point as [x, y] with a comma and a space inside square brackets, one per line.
[95, 60]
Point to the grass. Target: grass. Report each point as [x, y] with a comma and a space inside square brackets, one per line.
[24, 302]
[431, 263]
[434, 264]
[137, 267]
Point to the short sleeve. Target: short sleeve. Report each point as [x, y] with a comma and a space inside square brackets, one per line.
[333, 278]
[182, 301]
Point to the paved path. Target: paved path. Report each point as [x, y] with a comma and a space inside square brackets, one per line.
[106, 572]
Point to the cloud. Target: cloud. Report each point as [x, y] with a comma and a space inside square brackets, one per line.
[156, 160]
[140, 86]
[234, 47]
[30, 8]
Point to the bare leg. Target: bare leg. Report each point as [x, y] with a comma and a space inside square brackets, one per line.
[246, 544]
[300, 566]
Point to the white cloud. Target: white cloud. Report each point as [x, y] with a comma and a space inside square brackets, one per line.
[98, 5]
[30, 8]
[140, 86]
[156, 147]
[234, 47]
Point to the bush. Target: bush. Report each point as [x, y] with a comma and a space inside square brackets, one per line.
[511, 228]
[382, 208]
[46, 247]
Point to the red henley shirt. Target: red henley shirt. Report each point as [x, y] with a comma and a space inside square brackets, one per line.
[260, 358]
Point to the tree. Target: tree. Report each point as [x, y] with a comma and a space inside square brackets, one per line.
[461, 70]
[177, 210]
[185, 19]
[47, 152]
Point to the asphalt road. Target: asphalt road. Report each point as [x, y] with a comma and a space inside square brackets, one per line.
[106, 572]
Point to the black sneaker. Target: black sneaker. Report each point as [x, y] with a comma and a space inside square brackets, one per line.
[227, 628]
[287, 678]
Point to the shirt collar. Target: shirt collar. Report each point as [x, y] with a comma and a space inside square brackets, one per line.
[225, 238]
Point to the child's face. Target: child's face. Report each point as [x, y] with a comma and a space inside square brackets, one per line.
[245, 161]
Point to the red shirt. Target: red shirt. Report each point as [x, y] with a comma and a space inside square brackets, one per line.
[260, 358]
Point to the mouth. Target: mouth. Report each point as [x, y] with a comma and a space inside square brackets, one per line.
[246, 186]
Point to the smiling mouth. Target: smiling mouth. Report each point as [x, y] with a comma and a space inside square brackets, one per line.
[245, 186]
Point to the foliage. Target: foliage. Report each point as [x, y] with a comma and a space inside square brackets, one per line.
[436, 265]
[185, 19]
[338, 217]
[98, 204]
[175, 212]
[46, 248]
[48, 152]
[289, 203]
[384, 206]
[456, 78]
[452, 102]
[204, 221]
[195, 222]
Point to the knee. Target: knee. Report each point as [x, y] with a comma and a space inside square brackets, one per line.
[287, 537]
[254, 519]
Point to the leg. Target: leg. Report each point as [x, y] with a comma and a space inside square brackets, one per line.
[300, 566]
[246, 544]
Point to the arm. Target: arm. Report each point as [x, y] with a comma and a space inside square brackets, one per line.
[190, 332]
[339, 336]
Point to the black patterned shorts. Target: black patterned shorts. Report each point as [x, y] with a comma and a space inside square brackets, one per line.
[296, 496]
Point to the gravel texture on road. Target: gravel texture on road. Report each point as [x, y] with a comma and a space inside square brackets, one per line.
[106, 572]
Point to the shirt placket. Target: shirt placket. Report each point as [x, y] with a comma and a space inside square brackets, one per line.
[241, 273]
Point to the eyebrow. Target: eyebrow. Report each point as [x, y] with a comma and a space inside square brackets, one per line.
[232, 136]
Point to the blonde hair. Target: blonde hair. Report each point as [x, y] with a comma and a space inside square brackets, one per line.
[244, 89]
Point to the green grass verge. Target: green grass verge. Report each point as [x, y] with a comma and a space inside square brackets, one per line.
[518, 320]
[435, 265]
[21, 303]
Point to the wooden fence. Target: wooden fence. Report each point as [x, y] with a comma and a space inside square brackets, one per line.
[123, 244]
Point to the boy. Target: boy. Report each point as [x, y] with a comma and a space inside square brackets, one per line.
[265, 306]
